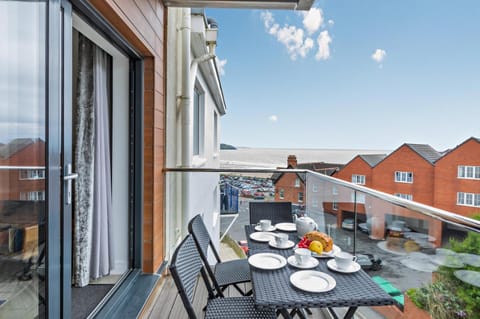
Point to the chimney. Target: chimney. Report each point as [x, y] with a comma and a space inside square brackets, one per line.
[292, 161]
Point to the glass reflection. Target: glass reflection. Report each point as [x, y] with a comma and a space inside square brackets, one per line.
[22, 159]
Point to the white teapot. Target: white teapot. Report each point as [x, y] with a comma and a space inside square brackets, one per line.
[304, 225]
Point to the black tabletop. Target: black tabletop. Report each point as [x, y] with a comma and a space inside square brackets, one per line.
[272, 288]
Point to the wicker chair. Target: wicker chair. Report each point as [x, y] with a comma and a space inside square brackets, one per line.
[186, 266]
[226, 273]
[277, 212]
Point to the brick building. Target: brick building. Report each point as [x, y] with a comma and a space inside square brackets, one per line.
[290, 187]
[417, 172]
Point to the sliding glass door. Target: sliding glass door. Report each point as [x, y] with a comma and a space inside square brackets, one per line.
[23, 174]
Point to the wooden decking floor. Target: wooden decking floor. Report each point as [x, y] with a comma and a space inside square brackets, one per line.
[168, 304]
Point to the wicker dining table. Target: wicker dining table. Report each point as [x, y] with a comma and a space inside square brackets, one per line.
[272, 288]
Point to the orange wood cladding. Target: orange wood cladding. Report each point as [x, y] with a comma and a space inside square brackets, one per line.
[141, 22]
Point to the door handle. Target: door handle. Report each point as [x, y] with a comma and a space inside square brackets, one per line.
[68, 178]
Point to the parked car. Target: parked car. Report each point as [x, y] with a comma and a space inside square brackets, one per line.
[348, 223]
[258, 195]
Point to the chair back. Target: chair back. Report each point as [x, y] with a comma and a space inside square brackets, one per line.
[185, 267]
[199, 231]
[277, 212]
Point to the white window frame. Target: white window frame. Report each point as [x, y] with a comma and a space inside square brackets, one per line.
[468, 172]
[216, 144]
[315, 202]
[334, 205]
[468, 199]
[334, 190]
[281, 193]
[31, 174]
[32, 196]
[300, 197]
[198, 138]
[297, 182]
[358, 179]
[404, 196]
[403, 177]
[314, 188]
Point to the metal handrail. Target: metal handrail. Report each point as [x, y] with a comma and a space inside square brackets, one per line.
[433, 212]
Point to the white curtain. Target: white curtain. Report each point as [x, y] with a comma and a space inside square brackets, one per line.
[92, 201]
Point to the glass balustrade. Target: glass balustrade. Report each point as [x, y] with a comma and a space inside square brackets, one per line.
[406, 247]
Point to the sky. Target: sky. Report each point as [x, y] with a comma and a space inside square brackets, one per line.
[349, 74]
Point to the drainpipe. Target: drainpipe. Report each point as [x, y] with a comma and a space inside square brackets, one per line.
[186, 112]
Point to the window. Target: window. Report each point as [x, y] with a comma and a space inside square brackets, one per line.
[404, 196]
[468, 199]
[197, 121]
[297, 182]
[32, 174]
[215, 131]
[404, 177]
[314, 202]
[358, 179]
[334, 190]
[314, 188]
[35, 195]
[281, 193]
[334, 205]
[300, 196]
[470, 172]
[359, 199]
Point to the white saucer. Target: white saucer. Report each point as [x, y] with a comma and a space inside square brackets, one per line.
[273, 243]
[262, 236]
[312, 263]
[271, 228]
[286, 226]
[267, 261]
[354, 267]
[312, 281]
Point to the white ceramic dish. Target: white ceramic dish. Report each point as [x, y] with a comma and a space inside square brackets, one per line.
[267, 261]
[354, 267]
[312, 263]
[271, 228]
[273, 243]
[264, 237]
[330, 254]
[286, 226]
[312, 281]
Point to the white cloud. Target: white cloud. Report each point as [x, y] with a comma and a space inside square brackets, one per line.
[221, 65]
[312, 20]
[323, 41]
[273, 118]
[291, 37]
[331, 22]
[379, 55]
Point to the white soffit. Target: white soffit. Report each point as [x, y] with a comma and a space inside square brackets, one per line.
[244, 4]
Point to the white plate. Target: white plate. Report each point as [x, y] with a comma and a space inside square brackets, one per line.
[273, 243]
[354, 267]
[312, 281]
[312, 263]
[330, 254]
[262, 236]
[271, 228]
[267, 261]
[286, 226]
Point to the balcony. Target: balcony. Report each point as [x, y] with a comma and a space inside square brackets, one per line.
[402, 244]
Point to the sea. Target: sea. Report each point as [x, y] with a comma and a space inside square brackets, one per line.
[246, 157]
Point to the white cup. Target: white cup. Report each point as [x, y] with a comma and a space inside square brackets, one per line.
[265, 224]
[344, 260]
[302, 255]
[281, 240]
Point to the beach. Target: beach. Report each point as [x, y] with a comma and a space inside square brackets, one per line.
[244, 157]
